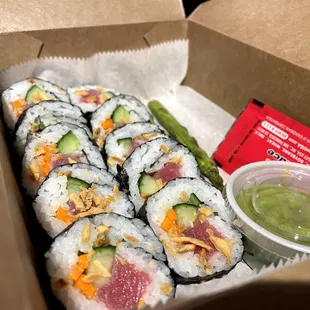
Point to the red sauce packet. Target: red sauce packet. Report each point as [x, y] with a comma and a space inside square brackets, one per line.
[261, 133]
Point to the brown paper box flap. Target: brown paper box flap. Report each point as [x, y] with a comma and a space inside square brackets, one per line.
[167, 31]
[284, 289]
[278, 27]
[70, 42]
[229, 72]
[19, 15]
[18, 47]
[299, 273]
[18, 282]
[85, 41]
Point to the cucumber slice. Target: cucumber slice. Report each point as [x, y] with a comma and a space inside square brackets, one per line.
[68, 144]
[187, 214]
[109, 94]
[121, 115]
[147, 185]
[40, 124]
[105, 250]
[75, 185]
[193, 200]
[126, 143]
[105, 255]
[35, 94]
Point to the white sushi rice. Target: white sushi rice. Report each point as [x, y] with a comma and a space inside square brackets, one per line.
[50, 113]
[51, 135]
[113, 148]
[187, 264]
[150, 157]
[19, 91]
[137, 110]
[136, 228]
[87, 173]
[89, 106]
[63, 255]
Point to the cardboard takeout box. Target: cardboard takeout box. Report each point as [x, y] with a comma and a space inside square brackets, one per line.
[238, 49]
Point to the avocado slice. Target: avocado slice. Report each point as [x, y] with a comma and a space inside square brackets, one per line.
[68, 144]
[104, 257]
[35, 94]
[187, 214]
[121, 116]
[147, 185]
[193, 200]
[75, 185]
[126, 143]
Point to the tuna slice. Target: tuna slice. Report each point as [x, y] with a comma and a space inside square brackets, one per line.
[135, 143]
[198, 231]
[168, 172]
[64, 160]
[126, 286]
[92, 97]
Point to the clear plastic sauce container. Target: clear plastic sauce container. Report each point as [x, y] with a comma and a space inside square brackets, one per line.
[269, 202]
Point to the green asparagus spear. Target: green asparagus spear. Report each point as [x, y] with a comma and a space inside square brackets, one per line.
[180, 133]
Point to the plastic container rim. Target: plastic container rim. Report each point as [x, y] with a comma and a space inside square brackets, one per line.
[233, 203]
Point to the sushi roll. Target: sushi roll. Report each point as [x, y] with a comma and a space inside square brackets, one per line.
[186, 217]
[116, 112]
[108, 262]
[89, 97]
[54, 146]
[120, 143]
[74, 191]
[21, 95]
[153, 164]
[43, 114]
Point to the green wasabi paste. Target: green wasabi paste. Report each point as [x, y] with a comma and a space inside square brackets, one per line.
[281, 210]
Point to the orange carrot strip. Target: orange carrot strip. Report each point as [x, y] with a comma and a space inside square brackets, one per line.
[76, 272]
[46, 167]
[167, 224]
[108, 123]
[85, 288]
[172, 215]
[49, 148]
[46, 161]
[18, 106]
[63, 215]
[83, 261]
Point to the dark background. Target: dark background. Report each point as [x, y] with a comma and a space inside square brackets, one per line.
[190, 5]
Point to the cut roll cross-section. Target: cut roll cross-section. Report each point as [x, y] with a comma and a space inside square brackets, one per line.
[188, 216]
[153, 164]
[114, 113]
[124, 272]
[75, 191]
[123, 141]
[44, 114]
[89, 97]
[54, 146]
[22, 95]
